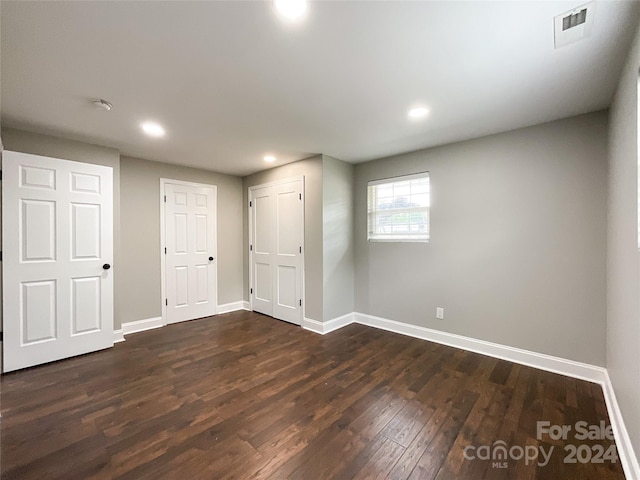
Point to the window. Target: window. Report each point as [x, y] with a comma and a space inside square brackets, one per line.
[398, 209]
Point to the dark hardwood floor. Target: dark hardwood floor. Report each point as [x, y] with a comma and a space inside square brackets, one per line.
[248, 397]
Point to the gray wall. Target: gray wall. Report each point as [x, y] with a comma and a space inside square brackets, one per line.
[21, 141]
[623, 259]
[311, 168]
[139, 289]
[518, 240]
[337, 233]
[137, 225]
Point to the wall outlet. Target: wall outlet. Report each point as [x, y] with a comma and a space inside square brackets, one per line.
[440, 313]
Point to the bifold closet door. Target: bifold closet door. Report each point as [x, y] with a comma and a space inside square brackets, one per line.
[276, 214]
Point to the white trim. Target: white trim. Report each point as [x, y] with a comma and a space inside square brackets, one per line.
[277, 182]
[163, 257]
[563, 366]
[233, 307]
[142, 325]
[398, 178]
[163, 289]
[118, 336]
[312, 325]
[329, 326]
[338, 322]
[626, 453]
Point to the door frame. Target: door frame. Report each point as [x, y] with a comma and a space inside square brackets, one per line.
[304, 246]
[163, 257]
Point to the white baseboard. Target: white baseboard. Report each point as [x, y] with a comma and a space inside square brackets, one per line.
[118, 336]
[626, 453]
[338, 322]
[563, 366]
[142, 325]
[312, 325]
[233, 307]
[329, 326]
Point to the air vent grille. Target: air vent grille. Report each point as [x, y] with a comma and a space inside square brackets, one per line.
[574, 20]
[574, 25]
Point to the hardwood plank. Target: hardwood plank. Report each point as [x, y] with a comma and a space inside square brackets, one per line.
[244, 396]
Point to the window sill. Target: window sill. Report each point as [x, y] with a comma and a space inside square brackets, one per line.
[398, 240]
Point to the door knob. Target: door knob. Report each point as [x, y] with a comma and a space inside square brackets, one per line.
[106, 266]
[211, 259]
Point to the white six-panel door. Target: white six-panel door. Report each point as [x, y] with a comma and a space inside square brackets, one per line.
[277, 230]
[57, 255]
[190, 258]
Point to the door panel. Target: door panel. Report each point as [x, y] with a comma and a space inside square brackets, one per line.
[83, 183]
[201, 234]
[37, 177]
[85, 297]
[57, 233]
[262, 281]
[202, 284]
[85, 231]
[182, 285]
[38, 233]
[289, 230]
[286, 286]
[38, 319]
[190, 236]
[262, 257]
[277, 224]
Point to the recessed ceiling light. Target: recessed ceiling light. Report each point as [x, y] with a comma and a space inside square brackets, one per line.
[418, 112]
[101, 104]
[153, 129]
[291, 9]
[269, 158]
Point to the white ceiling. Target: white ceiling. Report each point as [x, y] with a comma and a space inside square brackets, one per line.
[231, 82]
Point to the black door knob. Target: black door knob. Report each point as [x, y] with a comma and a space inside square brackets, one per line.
[211, 259]
[106, 266]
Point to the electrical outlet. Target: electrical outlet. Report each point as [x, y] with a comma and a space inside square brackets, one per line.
[440, 313]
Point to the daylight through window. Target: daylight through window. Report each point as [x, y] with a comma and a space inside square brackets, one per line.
[398, 209]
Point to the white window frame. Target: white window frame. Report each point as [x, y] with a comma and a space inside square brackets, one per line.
[396, 237]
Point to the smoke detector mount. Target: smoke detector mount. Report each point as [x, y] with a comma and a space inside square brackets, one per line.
[101, 104]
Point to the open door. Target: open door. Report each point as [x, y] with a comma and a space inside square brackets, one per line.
[57, 235]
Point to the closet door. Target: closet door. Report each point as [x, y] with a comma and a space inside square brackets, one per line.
[276, 213]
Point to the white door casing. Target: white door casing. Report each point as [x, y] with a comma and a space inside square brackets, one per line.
[189, 251]
[276, 215]
[57, 251]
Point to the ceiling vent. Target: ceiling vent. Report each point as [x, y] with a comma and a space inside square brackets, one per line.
[574, 25]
